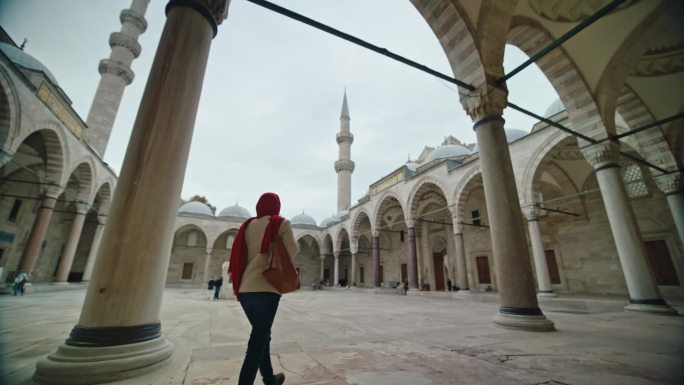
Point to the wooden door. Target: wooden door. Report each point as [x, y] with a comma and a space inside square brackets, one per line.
[659, 261]
[551, 263]
[483, 276]
[404, 272]
[438, 261]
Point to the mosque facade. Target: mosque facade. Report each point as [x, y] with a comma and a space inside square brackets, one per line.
[590, 201]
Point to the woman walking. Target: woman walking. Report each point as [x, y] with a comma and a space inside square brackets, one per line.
[259, 299]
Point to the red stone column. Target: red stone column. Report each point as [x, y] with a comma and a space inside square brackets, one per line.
[413, 256]
[376, 260]
[39, 229]
[94, 247]
[72, 242]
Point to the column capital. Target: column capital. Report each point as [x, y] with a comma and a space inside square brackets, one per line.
[531, 213]
[410, 223]
[336, 254]
[209, 250]
[375, 233]
[322, 256]
[602, 155]
[215, 11]
[486, 102]
[52, 190]
[670, 183]
[101, 219]
[82, 207]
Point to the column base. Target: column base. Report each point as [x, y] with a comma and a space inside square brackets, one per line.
[525, 319]
[94, 365]
[656, 306]
[546, 294]
[60, 283]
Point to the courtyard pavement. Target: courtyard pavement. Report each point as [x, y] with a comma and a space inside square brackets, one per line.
[348, 337]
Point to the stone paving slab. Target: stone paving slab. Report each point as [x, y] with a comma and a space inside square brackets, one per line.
[336, 337]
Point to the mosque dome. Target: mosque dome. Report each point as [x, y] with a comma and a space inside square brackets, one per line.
[554, 108]
[303, 219]
[22, 59]
[447, 151]
[235, 211]
[196, 208]
[334, 219]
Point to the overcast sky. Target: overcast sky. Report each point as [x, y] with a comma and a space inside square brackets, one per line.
[273, 90]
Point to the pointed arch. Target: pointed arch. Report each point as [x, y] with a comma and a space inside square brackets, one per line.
[55, 151]
[424, 183]
[465, 185]
[382, 205]
[9, 114]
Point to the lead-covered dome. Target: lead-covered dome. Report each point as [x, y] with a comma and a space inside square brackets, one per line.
[554, 108]
[22, 59]
[303, 219]
[447, 151]
[235, 211]
[195, 208]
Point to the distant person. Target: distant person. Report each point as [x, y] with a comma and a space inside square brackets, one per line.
[210, 285]
[259, 299]
[19, 282]
[217, 287]
[449, 284]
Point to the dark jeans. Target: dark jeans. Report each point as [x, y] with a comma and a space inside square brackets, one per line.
[217, 289]
[260, 309]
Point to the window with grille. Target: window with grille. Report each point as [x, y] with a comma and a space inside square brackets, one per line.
[633, 179]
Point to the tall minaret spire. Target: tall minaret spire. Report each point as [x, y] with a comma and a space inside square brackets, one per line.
[116, 75]
[344, 165]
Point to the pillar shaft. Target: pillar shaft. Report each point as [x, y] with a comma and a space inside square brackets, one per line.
[540, 265]
[67, 259]
[207, 260]
[322, 267]
[413, 259]
[336, 275]
[353, 269]
[462, 273]
[39, 230]
[94, 247]
[673, 187]
[512, 262]
[376, 261]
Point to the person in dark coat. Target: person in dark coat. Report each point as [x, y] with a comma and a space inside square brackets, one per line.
[217, 287]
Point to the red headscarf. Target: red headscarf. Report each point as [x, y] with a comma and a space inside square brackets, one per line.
[268, 204]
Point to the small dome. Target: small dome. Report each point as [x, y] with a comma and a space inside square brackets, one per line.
[235, 211]
[554, 108]
[25, 60]
[303, 219]
[513, 134]
[447, 151]
[413, 166]
[334, 219]
[197, 208]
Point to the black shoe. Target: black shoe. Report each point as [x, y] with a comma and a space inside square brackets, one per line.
[279, 379]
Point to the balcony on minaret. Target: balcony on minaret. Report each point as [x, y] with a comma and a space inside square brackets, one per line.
[344, 165]
[345, 137]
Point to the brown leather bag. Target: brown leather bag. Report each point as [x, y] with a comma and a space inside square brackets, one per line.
[280, 272]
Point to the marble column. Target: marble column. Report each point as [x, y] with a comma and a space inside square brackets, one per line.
[336, 274]
[462, 270]
[207, 261]
[40, 226]
[673, 187]
[353, 269]
[323, 267]
[519, 308]
[376, 259]
[412, 256]
[94, 247]
[72, 242]
[643, 291]
[540, 265]
[118, 334]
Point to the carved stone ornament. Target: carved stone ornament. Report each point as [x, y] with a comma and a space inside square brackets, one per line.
[101, 219]
[118, 68]
[52, 191]
[119, 39]
[487, 101]
[670, 183]
[82, 207]
[660, 61]
[130, 17]
[603, 154]
[531, 213]
[344, 165]
[571, 10]
[345, 137]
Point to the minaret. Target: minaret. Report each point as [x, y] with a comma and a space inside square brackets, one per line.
[344, 165]
[116, 75]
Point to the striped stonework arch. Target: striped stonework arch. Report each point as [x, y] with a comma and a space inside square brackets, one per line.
[313, 235]
[83, 173]
[9, 115]
[470, 181]
[455, 33]
[103, 198]
[359, 216]
[382, 204]
[55, 153]
[342, 234]
[191, 227]
[652, 143]
[328, 244]
[541, 155]
[424, 184]
[566, 80]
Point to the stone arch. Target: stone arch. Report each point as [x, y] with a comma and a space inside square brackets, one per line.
[339, 238]
[463, 189]
[9, 114]
[190, 226]
[422, 184]
[356, 222]
[83, 172]
[376, 219]
[102, 199]
[312, 235]
[328, 244]
[231, 230]
[456, 35]
[562, 73]
[56, 156]
[540, 154]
